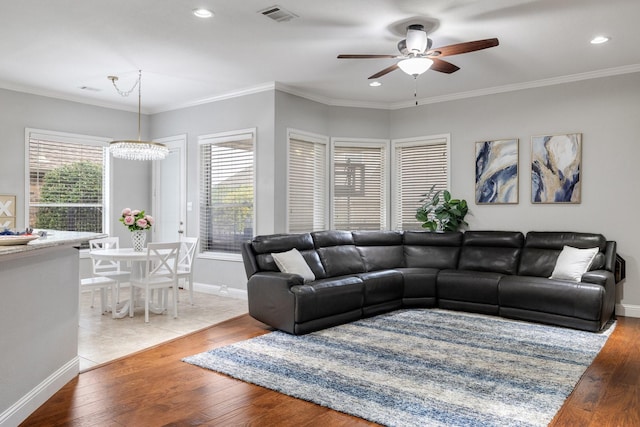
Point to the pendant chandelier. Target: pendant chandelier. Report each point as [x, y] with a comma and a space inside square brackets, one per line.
[131, 149]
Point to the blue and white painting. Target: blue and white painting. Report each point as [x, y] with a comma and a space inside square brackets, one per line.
[555, 168]
[497, 171]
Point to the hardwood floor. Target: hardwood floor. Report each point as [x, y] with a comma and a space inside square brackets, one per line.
[154, 388]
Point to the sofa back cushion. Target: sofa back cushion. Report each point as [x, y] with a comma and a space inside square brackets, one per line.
[431, 250]
[493, 251]
[541, 250]
[379, 250]
[264, 246]
[338, 253]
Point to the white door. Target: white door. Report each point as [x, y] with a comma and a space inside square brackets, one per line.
[170, 191]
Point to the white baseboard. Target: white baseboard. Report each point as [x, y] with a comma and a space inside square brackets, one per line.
[31, 401]
[221, 290]
[628, 310]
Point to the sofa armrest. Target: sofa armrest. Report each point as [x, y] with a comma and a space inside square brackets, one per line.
[598, 277]
[610, 256]
[271, 300]
[607, 280]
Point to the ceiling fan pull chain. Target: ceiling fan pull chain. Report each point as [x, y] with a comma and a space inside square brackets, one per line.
[415, 89]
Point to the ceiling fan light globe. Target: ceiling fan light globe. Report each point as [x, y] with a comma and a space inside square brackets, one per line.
[415, 66]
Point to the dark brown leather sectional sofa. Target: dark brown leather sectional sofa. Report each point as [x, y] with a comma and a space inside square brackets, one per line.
[360, 274]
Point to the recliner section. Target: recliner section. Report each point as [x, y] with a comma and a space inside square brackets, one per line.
[360, 274]
[486, 257]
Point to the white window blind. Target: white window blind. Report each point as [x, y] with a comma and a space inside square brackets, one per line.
[226, 191]
[307, 184]
[417, 166]
[359, 187]
[67, 185]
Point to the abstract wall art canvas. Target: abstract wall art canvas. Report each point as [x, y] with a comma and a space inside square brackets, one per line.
[497, 171]
[556, 168]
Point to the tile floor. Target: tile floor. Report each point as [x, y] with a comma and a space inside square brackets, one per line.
[101, 338]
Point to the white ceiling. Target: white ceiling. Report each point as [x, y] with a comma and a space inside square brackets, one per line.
[55, 47]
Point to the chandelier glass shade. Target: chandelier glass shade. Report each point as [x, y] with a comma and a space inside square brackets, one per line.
[138, 150]
[131, 149]
[415, 66]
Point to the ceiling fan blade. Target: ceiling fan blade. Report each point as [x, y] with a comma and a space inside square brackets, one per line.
[443, 66]
[385, 71]
[356, 56]
[456, 49]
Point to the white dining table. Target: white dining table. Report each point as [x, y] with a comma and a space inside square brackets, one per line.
[137, 261]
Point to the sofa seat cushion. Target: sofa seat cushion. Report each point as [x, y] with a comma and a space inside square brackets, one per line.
[419, 282]
[381, 286]
[327, 297]
[469, 286]
[560, 297]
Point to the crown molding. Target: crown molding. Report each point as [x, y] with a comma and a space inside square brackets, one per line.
[331, 101]
[628, 69]
[68, 97]
[264, 87]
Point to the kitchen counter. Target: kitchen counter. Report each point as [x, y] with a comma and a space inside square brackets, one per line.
[53, 238]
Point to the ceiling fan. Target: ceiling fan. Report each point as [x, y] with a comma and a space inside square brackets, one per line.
[417, 56]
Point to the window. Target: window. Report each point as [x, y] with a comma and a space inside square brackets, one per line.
[359, 181]
[307, 186]
[418, 163]
[67, 185]
[226, 190]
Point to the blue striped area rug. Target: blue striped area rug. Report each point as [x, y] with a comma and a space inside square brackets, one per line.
[421, 368]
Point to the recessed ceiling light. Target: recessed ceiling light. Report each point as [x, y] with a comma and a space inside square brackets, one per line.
[203, 13]
[375, 84]
[599, 40]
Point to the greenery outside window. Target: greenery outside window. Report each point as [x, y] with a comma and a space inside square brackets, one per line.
[66, 185]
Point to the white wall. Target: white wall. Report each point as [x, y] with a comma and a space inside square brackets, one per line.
[606, 111]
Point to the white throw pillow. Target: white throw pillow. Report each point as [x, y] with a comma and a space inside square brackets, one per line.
[572, 263]
[293, 262]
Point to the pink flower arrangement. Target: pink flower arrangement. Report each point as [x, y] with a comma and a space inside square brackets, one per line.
[136, 219]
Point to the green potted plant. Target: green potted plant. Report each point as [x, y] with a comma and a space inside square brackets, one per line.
[439, 212]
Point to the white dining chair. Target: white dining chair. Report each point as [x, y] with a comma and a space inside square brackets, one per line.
[102, 284]
[185, 263]
[160, 272]
[109, 268]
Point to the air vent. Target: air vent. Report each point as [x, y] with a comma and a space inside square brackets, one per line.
[278, 14]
